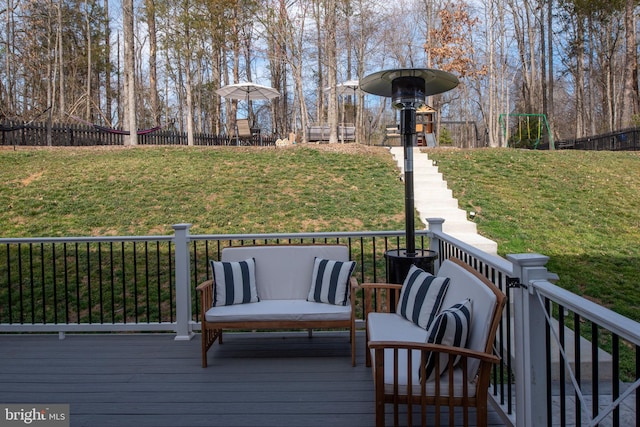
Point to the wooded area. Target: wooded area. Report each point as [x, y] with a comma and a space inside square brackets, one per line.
[158, 63]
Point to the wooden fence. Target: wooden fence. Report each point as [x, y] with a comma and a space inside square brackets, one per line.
[68, 135]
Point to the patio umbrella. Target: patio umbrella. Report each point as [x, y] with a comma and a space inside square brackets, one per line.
[248, 91]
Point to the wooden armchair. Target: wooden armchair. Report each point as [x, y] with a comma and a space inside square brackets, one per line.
[400, 350]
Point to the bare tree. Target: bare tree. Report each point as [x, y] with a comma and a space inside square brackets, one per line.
[129, 73]
[332, 67]
[107, 57]
[451, 49]
[630, 98]
[150, 15]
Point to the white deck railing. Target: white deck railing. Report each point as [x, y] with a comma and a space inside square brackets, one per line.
[145, 283]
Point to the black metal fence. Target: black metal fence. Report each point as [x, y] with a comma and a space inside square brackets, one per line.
[87, 281]
[69, 135]
[623, 140]
[130, 280]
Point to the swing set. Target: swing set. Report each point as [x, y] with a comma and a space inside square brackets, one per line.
[529, 130]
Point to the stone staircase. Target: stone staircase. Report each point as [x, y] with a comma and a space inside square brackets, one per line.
[433, 199]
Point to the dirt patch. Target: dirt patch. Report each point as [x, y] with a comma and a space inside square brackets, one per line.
[33, 177]
[348, 148]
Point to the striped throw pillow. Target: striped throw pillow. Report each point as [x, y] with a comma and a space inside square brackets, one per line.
[421, 296]
[451, 328]
[330, 281]
[235, 282]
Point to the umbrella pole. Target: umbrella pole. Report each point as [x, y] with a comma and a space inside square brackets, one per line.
[342, 130]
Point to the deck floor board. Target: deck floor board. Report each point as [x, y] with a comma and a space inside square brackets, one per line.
[253, 379]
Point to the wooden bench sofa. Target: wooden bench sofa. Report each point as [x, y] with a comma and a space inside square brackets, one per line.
[454, 315]
[321, 133]
[278, 287]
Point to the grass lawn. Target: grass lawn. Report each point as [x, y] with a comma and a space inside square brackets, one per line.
[140, 191]
[580, 208]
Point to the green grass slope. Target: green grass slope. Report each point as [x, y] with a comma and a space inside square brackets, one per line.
[140, 191]
[581, 208]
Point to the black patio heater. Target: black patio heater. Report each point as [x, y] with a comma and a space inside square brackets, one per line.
[408, 89]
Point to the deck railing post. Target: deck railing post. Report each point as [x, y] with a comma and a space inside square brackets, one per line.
[183, 282]
[435, 225]
[529, 338]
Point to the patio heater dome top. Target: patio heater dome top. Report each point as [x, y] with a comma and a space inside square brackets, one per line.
[408, 86]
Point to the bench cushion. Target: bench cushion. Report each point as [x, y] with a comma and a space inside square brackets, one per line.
[330, 280]
[279, 310]
[284, 272]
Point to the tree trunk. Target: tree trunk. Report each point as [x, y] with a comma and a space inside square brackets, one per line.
[62, 88]
[320, 112]
[630, 86]
[332, 68]
[129, 73]
[150, 9]
[107, 71]
[187, 73]
[579, 72]
[88, 93]
[550, 85]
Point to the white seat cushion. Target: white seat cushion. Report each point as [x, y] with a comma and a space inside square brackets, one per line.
[393, 327]
[279, 310]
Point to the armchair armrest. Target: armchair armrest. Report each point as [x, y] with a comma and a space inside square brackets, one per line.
[353, 284]
[480, 378]
[205, 289]
[380, 297]
[435, 348]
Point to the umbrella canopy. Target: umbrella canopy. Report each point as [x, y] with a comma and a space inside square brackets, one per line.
[347, 88]
[248, 91]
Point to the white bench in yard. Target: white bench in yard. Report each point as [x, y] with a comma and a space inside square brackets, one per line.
[454, 315]
[278, 287]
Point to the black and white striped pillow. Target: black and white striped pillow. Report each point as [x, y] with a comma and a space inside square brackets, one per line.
[451, 327]
[421, 296]
[235, 282]
[330, 281]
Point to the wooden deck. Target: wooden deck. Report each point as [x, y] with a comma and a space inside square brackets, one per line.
[135, 380]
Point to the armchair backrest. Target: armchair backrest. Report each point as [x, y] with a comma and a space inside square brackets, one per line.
[487, 302]
[242, 126]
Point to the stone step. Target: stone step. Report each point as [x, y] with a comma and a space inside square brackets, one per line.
[475, 240]
[433, 199]
[450, 214]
